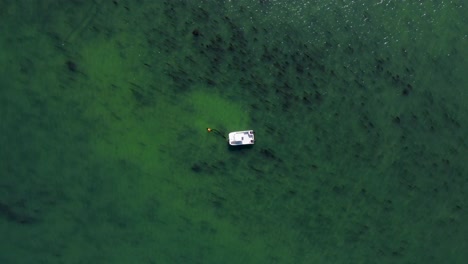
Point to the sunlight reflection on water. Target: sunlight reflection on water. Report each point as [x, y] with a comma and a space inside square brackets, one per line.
[413, 18]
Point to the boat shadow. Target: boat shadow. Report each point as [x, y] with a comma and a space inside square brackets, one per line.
[238, 148]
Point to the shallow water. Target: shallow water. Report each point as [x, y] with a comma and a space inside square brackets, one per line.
[359, 110]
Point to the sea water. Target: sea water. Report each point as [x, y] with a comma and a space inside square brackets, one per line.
[359, 109]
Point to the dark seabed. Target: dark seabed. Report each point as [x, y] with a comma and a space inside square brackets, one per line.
[359, 107]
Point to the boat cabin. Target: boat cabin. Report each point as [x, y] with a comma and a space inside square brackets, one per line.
[241, 138]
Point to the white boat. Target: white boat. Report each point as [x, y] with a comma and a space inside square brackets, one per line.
[240, 138]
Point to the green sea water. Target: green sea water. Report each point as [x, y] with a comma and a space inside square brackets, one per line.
[359, 107]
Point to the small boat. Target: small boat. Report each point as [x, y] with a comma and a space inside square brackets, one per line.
[241, 138]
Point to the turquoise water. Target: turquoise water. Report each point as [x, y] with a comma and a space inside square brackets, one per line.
[359, 110]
